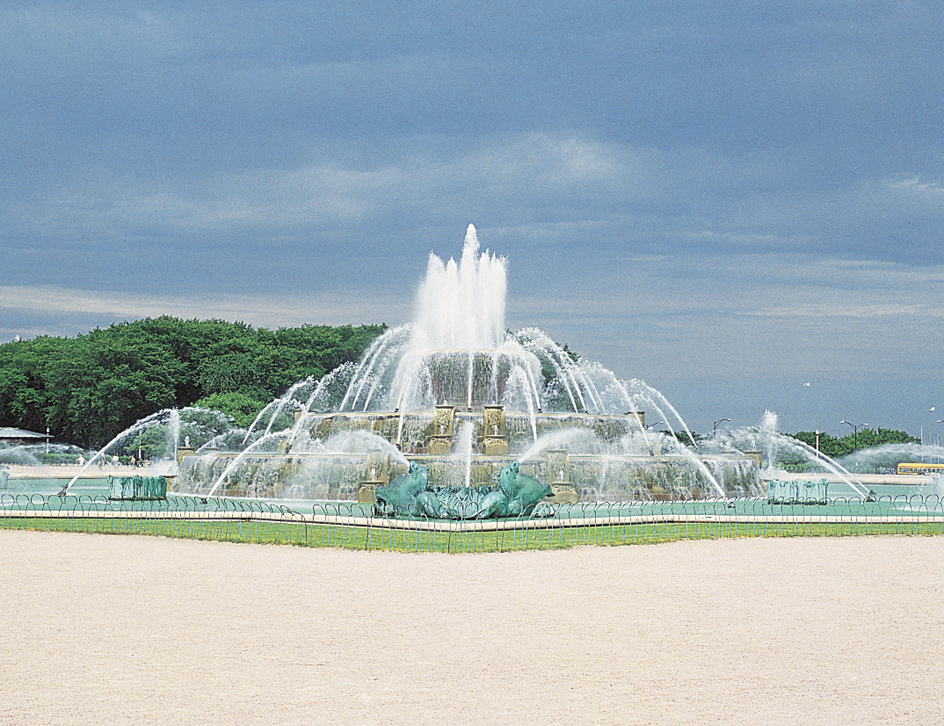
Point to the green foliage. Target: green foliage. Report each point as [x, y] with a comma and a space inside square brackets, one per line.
[866, 438]
[684, 439]
[89, 388]
[239, 407]
[197, 426]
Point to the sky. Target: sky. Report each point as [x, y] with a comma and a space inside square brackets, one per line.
[741, 203]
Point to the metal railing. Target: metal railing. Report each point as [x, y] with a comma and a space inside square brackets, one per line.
[352, 525]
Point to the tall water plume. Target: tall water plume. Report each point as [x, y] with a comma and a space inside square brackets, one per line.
[461, 306]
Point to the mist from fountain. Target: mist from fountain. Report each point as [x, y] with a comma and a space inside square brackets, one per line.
[238, 459]
[887, 456]
[173, 433]
[139, 426]
[461, 306]
[457, 353]
[19, 454]
[768, 429]
[188, 422]
[277, 405]
[465, 441]
[740, 439]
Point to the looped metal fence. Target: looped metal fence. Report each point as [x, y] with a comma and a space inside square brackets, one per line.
[356, 525]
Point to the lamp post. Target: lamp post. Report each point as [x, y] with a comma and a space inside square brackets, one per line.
[855, 433]
[714, 429]
[655, 447]
[932, 410]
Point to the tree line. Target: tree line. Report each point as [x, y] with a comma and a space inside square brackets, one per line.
[90, 388]
[836, 447]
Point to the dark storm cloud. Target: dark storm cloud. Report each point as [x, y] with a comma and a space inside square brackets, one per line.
[277, 162]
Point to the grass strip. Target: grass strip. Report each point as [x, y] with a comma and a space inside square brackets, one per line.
[473, 541]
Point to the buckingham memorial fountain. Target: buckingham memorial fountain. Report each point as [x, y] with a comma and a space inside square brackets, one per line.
[453, 416]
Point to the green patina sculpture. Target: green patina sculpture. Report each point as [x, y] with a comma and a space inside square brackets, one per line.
[409, 495]
[523, 492]
[137, 487]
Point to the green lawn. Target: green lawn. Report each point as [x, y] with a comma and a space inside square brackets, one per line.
[254, 531]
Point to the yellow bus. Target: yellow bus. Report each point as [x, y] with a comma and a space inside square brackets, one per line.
[920, 468]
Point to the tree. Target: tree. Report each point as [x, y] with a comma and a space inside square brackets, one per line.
[89, 388]
[240, 408]
[867, 438]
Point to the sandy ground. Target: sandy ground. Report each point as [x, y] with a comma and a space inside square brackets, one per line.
[103, 629]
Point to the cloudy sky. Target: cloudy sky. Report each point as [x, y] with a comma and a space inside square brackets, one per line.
[729, 200]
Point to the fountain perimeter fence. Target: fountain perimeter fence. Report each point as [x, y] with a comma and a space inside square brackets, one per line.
[351, 525]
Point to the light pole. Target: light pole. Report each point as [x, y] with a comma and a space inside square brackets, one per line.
[655, 447]
[855, 433]
[714, 429]
[932, 409]
[817, 443]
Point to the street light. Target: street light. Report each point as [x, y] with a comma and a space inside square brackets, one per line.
[714, 429]
[655, 447]
[855, 433]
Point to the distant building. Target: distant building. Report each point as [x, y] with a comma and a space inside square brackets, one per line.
[21, 436]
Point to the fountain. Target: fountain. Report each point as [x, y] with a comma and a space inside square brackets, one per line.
[456, 393]
[454, 417]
